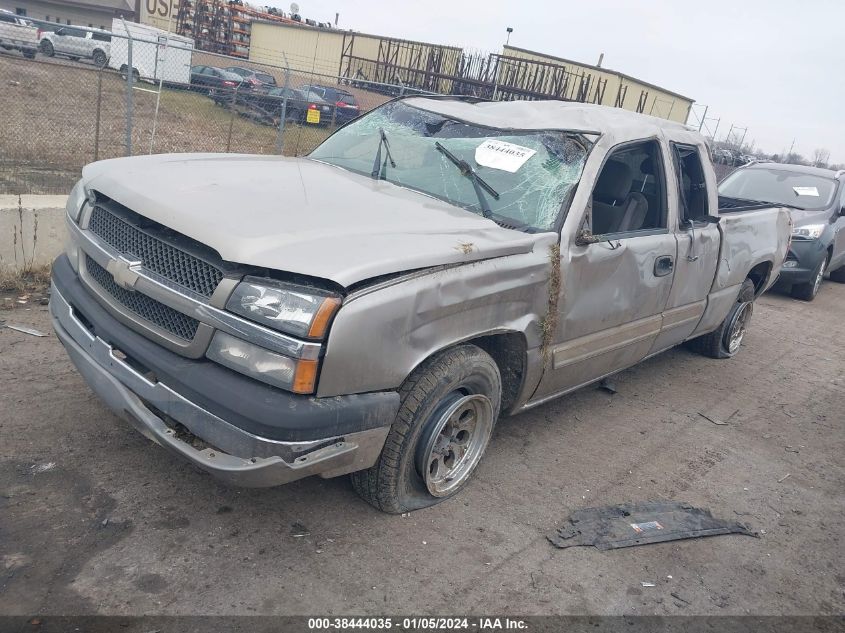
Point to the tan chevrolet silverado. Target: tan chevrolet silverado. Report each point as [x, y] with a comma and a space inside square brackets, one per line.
[375, 307]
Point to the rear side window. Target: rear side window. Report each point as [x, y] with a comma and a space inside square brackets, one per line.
[692, 186]
[101, 37]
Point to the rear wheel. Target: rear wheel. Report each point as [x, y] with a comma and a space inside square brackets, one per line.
[725, 341]
[29, 54]
[47, 48]
[448, 410]
[808, 291]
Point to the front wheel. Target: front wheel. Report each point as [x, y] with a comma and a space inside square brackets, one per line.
[808, 290]
[99, 59]
[725, 341]
[448, 409]
[47, 48]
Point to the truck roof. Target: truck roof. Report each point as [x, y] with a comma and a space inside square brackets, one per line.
[545, 115]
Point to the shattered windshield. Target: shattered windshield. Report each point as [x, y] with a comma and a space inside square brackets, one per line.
[532, 172]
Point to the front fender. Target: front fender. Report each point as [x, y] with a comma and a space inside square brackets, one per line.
[379, 336]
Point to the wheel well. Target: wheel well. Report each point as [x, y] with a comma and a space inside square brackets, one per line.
[759, 275]
[508, 349]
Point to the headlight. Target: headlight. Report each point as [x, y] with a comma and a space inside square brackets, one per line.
[298, 376]
[77, 197]
[808, 232]
[297, 310]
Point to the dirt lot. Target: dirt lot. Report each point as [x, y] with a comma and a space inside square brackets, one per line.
[96, 519]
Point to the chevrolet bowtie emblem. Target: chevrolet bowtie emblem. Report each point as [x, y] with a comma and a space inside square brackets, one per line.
[124, 272]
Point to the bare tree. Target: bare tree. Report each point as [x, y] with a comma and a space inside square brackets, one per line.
[820, 157]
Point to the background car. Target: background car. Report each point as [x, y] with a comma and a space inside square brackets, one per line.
[816, 199]
[207, 78]
[267, 106]
[345, 105]
[255, 78]
[77, 44]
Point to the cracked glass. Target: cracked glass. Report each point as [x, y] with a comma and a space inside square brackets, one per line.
[530, 198]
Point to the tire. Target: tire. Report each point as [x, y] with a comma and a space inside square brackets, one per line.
[725, 341]
[449, 406]
[29, 54]
[47, 49]
[809, 290]
[100, 59]
[838, 275]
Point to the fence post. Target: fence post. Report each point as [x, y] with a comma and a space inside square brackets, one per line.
[129, 77]
[232, 118]
[280, 140]
[97, 121]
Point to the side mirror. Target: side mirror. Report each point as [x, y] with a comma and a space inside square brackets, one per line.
[585, 237]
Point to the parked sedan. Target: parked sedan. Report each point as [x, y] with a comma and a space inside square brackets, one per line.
[254, 78]
[207, 78]
[300, 105]
[345, 105]
[816, 199]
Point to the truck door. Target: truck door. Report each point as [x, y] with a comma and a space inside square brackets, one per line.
[615, 284]
[690, 200]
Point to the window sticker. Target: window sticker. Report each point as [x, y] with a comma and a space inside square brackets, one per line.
[806, 191]
[502, 155]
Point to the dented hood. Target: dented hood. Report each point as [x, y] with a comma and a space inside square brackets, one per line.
[300, 216]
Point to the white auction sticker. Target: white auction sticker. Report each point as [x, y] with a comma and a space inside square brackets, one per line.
[806, 191]
[502, 155]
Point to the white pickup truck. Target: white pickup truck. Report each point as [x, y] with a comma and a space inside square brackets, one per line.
[19, 34]
[374, 307]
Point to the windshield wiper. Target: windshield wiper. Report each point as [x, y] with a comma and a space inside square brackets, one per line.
[378, 167]
[477, 182]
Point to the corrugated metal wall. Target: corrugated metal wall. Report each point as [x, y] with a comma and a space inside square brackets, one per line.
[614, 88]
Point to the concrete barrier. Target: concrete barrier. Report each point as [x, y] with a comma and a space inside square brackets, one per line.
[32, 230]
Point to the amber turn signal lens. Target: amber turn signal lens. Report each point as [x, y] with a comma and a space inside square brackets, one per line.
[324, 314]
[305, 377]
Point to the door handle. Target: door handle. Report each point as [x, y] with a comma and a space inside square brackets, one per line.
[663, 265]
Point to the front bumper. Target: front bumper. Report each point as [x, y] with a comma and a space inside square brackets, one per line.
[806, 255]
[233, 454]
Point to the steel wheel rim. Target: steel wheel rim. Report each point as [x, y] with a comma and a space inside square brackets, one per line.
[455, 442]
[739, 325]
[818, 281]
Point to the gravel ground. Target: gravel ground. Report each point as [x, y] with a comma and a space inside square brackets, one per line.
[96, 519]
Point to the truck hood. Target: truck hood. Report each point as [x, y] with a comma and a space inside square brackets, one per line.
[301, 216]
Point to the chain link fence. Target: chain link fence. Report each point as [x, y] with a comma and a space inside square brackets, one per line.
[91, 95]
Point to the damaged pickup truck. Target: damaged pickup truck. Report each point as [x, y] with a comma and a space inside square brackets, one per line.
[375, 307]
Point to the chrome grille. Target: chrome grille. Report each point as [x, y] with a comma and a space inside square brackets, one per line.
[158, 256]
[158, 314]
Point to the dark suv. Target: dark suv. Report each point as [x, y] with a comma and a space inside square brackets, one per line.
[255, 79]
[816, 198]
[345, 105]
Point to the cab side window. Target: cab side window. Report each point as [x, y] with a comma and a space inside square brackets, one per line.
[630, 195]
[692, 186]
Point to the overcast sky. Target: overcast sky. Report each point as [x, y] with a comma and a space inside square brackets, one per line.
[775, 66]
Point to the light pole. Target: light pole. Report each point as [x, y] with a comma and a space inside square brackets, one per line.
[509, 30]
